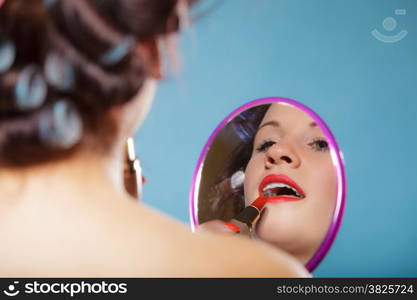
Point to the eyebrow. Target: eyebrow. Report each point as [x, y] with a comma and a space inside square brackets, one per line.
[270, 123]
[276, 124]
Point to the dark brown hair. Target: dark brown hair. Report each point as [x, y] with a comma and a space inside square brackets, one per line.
[224, 201]
[77, 34]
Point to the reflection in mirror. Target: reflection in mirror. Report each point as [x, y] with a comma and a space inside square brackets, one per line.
[282, 153]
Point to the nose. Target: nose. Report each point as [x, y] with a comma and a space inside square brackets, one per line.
[282, 154]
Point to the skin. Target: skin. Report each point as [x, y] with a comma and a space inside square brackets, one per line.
[298, 227]
[73, 218]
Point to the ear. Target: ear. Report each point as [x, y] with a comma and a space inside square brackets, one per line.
[129, 116]
[151, 56]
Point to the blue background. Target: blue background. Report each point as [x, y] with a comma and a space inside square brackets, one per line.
[322, 54]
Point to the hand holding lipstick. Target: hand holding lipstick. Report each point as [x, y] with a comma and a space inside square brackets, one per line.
[247, 218]
[218, 226]
[243, 223]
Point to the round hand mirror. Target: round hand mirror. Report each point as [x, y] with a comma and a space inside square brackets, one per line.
[279, 149]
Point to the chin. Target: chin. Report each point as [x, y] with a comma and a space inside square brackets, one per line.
[292, 242]
[278, 232]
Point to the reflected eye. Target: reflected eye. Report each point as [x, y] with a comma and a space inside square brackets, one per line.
[319, 144]
[265, 146]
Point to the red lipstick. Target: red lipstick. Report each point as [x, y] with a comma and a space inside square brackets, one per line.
[248, 217]
[280, 188]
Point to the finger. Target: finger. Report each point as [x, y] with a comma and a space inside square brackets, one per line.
[218, 226]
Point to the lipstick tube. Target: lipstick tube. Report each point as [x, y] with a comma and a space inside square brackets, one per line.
[248, 217]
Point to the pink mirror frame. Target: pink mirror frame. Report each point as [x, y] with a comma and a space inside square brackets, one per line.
[336, 155]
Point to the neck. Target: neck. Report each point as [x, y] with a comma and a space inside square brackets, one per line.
[83, 175]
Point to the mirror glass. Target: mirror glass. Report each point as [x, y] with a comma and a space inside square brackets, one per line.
[281, 149]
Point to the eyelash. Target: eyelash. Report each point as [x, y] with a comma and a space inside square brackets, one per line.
[319, 145]
[265, 145]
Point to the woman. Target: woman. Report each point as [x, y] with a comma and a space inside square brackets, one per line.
[284, 155]
[77, 77]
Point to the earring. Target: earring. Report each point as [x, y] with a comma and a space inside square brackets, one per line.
[133, 178]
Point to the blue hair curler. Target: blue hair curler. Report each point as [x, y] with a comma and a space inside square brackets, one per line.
[118, 52]
[7, 55]
[62, 126]
[49, 2]
[31, 89]
[59, 72]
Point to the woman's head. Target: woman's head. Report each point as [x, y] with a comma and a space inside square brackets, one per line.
[290, 144]
[282, 144]
[77, 72]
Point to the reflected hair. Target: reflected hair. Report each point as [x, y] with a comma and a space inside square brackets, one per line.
[226, 200]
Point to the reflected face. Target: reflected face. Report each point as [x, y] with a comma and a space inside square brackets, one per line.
[291, 163]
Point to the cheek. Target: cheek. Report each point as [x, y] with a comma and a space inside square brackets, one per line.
[324, 187]
[329, 186]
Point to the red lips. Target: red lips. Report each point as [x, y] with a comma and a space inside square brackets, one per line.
[281, 178]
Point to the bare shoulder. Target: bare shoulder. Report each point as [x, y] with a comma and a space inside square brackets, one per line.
[124, 239]
[161, 246]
